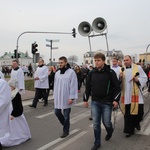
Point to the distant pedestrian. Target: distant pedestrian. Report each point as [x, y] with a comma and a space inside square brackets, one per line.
[79, 77]
[18, 74]
[30, 70]
[103, 85]
[51, 75]
[133, 80]
[65, 94]
[1, 75]
[116, 67]
[40, 84]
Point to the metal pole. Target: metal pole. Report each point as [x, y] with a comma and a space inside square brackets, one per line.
[36, 32]
[107, 48]
[146, 52]
[51, 51]
[90, 49]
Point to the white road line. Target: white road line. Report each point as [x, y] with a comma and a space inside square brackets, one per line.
[45, 115]
[45, 147]
[70, 140]
[80, 117]
[78, 104]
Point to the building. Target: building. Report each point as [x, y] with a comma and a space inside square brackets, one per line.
[146, 57]
[6, 59]
[88, 57]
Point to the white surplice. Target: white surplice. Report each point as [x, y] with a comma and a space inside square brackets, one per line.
[65, 88]
[5, 105]
[19, 76]
[42, 74]
[129, 84]
[117, 70]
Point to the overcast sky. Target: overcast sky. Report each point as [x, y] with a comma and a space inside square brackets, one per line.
[128, 24]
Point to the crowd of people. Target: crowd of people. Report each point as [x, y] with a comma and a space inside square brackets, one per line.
[118, 85]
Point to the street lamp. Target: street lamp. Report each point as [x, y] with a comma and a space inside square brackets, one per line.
[146, 52]
[51, 48]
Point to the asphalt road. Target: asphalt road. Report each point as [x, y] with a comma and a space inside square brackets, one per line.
[46, 129]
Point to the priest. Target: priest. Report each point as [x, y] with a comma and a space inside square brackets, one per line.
[133, 80]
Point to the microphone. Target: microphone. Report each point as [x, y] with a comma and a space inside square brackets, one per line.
[122, 69]
[137, 74]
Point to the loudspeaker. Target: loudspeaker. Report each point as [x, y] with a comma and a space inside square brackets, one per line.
[84, 28]
[99, 25]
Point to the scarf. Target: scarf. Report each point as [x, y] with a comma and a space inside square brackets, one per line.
[135, 93]
[13, 93]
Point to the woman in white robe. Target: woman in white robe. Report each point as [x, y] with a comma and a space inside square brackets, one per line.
[19, 130]
[5, 103]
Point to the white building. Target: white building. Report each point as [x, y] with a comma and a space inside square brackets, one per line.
[6, 59]
[88, 57]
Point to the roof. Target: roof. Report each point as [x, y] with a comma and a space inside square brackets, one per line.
[9, 55]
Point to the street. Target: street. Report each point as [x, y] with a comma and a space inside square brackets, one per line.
[46, 130]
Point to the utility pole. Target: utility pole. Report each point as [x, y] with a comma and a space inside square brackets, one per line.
[51, 48]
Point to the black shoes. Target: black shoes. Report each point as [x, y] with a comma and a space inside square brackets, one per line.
[129, 135]
[95, 147]
[138, 127]
[32, 106]
[64, 135]
[0, 146]
[90, 118]
[108, 136]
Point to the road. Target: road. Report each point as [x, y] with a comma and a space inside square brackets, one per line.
[46, 129]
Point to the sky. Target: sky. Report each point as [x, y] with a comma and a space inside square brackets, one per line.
[128, 25]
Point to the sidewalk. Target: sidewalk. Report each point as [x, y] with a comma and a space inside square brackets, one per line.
[28, 95]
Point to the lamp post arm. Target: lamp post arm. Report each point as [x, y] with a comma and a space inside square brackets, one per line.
[36, 32]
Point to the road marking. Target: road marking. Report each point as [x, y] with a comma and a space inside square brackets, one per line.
[45, 147]
[76, 114]
[78, 104]
[45, 115]
[80, 117]
[70, 140]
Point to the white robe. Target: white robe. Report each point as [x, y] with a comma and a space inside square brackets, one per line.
[128, 85]
[42, 73]
[1, 75]
[19, 132]
[117, 70]
[65, 88]
[19, 129]
[5, 104]
[19, 76]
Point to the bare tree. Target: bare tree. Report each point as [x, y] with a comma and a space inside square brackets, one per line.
[72, 59]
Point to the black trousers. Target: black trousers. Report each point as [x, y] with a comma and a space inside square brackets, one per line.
[38, 94]
[131, 121]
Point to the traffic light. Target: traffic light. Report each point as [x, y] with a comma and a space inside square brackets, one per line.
[18, 55]
[74, 32]
[15, 53]
[33, 48]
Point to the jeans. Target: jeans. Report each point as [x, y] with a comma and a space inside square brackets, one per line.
[101, 110]
[64, 118]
